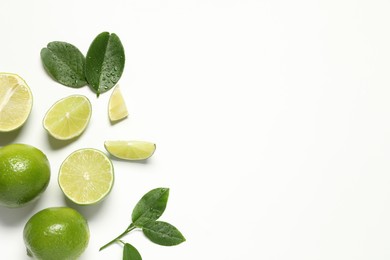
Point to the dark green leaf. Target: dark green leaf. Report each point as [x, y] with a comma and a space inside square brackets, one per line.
[163, 233]
[130, 253]
[150, 207]
[105, 62]
[65, 63]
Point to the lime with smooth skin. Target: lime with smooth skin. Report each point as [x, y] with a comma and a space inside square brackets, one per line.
[24, 174]
[57, 233]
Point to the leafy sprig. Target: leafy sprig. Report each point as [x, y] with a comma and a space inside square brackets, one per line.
[145, 216]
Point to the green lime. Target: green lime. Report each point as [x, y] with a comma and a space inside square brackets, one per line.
[56, 233]
[24, 174]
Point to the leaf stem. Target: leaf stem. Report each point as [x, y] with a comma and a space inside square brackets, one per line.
[117, 239]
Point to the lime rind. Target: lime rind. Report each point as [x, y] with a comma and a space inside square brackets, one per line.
[86, 176]
[130, 150]
[8, 119]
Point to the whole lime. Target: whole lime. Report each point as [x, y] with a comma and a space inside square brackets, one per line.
[24, 174]
[56, 233]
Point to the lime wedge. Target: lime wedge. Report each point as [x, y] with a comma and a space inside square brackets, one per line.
[68, 117]
[116, 106]
[15, 102]
[86, 176]
[130, 150]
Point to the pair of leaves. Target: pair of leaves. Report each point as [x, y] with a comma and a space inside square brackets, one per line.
[146, 213]
[101, 69]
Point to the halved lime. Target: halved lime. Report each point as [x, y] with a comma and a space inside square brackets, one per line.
[68, 117]
[15, 102]
[117, 109]
[130, 150]
[86, 176]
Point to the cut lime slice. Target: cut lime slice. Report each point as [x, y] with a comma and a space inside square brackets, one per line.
[130, 150]
[86, 176]
[15, 102]
[116, 106]
[68, 117]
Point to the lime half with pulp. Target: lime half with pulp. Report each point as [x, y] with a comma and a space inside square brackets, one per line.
[86, 176]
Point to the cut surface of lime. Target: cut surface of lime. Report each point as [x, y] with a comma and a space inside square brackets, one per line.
[86, 176]
[68, 117]
[15, 102]
[117, 109]
[130, 150]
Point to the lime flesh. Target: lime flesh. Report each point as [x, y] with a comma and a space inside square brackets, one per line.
[15, 102]
[68, 117]
[86, 176]
[117, 109]
[130, 150]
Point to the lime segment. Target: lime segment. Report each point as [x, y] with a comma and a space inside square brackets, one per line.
[130, 150]
[68, 117]
[86, 176]
[117, 109]
[15, 102]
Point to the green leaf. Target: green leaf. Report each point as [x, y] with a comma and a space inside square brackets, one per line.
[65, 63]
[163, 233]
[105, 62]
[130, 253]
[150, 207]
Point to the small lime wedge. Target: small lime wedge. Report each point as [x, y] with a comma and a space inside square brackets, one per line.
[117, 109]
[130, 150]
[68, 117]
[86, 176]
[15, 102]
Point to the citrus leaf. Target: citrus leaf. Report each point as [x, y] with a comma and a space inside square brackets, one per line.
[130, 253]
[105, 62]
[65, 63]
[150, 207]
[163, 233]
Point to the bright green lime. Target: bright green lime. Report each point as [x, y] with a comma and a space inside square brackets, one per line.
[24, 174]
[59, 233]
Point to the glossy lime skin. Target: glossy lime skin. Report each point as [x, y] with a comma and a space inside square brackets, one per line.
[56, 233]
[24, 174]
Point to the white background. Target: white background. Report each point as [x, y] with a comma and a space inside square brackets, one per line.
[271, 119]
